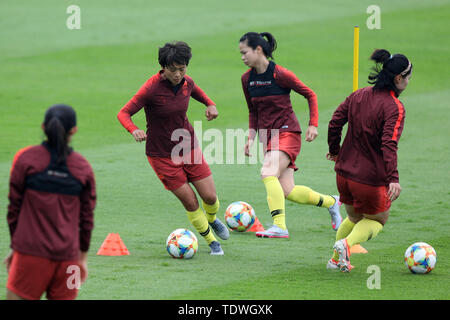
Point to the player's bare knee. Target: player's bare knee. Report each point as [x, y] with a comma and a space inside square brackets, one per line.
[269, 172]
[191, 205]
[210, 198]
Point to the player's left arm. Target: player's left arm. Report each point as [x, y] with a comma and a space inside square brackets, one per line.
[211, 109]
[288, 79]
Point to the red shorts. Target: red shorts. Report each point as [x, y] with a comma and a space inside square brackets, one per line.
[364, 198]
[173, 173]
[290, 143]
[30, 276]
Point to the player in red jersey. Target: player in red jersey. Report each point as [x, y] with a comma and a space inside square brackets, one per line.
[50, 214]
[366, 163]
[267, 88]
[171, 146]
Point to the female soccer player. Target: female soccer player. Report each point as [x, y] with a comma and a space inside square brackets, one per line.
[366, 164]
[165, 98]
[50, 214]
[267, 87]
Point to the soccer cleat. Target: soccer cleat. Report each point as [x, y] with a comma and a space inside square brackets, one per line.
[220, 229]
[273, 232]
[343, 250]
[333, 265]
[336, 218]
[216, 249]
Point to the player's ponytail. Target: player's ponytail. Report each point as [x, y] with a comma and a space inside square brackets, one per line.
[265, 40]
[58, 121]
[271, 44]
[388, 66]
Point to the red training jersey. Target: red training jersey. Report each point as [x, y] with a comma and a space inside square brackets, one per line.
[268, 99]
[51, 207]
[375, 123]
[165, 110]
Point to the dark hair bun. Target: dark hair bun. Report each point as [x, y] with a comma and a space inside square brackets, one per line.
[380, 55]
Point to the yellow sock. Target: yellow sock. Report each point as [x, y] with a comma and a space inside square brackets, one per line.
[200, 222]
[211, 210]
[305, 195]
[275, 200]
[364, 230]
[344, 230]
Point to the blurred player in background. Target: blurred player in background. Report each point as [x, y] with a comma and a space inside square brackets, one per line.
[171, 146]
[50, 214]
[267, 88]
[366, 163]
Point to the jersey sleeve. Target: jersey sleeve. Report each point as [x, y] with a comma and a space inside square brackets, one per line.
[88, 199]
[16, 190]
[337, 122]
[252, 111]
[136, 103]
[287, 79]
[394, 119]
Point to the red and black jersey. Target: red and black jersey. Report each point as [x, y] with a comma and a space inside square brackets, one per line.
[375, 123]
[51, 206]
[165, 110]
[269, 102]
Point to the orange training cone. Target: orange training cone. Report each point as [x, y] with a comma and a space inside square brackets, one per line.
[357, 248]
[257, 226]
[113, 246]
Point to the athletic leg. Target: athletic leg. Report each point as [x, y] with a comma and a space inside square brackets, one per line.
[207, 191]
[195, 214]
[275, 162]
[305, 195]
[365, 227]
[346, 227]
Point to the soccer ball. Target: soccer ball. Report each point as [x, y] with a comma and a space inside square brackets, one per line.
[420, 257]
[182, 244]
[240, 216]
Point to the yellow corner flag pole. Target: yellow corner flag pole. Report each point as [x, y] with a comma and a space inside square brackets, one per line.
[355, 57]
[357, 248]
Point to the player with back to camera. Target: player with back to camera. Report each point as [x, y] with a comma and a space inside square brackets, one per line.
[50, 213]
[165, 98]
[267, 88]
[366, 164]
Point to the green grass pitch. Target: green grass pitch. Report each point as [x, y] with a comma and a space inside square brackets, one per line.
[98, 68]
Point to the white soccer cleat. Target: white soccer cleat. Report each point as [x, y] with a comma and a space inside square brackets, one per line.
[333, 265]
[342, 248]
[335, 214]
[273, 232]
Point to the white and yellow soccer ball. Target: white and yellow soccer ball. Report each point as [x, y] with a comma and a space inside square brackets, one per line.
[420, 257]
[240, 216]
[182, 244]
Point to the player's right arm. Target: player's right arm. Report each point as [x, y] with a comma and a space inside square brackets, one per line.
[139, 100]
[17, 182]
[337, 122]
